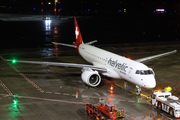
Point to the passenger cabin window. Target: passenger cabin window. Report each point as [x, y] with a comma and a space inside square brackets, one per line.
[144, 72]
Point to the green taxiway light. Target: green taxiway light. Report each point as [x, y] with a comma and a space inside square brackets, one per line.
[14, 61]
[15, 101]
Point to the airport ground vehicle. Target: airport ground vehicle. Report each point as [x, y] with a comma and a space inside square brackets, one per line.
[103, 111]
[164, 101]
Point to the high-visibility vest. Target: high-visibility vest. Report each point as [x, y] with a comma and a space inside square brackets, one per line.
[97, 118]
[168, 89]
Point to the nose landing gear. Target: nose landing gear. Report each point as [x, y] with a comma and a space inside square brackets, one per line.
[138, 90]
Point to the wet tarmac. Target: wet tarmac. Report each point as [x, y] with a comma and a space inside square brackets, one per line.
[31, 91]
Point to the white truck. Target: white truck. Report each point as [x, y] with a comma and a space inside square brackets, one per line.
[164, 101]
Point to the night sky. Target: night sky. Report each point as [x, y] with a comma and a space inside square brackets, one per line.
[125, 20]
[88, 7]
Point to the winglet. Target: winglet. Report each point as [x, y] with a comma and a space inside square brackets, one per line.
[78, 36]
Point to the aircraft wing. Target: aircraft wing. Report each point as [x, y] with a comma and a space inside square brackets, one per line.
[150, 58]
[62, 64]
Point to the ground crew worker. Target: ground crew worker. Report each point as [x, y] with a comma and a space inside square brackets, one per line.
[103, 118]
[97, 118]
[122, 110]
[122, 114]
[168, 89]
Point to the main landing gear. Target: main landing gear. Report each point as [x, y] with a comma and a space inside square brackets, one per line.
[125, 85]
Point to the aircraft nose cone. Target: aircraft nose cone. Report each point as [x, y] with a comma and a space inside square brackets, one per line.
[152, 84]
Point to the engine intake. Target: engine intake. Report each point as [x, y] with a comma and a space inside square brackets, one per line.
[91, 78]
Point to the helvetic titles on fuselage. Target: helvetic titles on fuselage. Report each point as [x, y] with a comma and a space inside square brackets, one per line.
[115, 64]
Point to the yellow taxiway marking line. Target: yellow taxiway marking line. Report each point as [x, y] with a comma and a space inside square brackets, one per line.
[143, 95]
[118, 85]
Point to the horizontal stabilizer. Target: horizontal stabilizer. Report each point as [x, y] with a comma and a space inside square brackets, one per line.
[89, 43]
[68, 45]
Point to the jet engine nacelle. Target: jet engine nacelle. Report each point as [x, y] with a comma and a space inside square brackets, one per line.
[91, 78]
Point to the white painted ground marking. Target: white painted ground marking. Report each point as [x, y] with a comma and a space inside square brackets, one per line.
[36, 86]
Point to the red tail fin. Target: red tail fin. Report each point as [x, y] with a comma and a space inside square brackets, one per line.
[77, 33]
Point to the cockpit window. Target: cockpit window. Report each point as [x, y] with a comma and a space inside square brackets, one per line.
[144, 72]
[137, 72]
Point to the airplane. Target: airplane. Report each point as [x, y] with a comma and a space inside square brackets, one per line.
[107, 63]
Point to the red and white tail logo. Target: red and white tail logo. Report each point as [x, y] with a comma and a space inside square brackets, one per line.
[77, 33]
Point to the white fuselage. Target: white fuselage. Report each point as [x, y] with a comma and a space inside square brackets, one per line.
[118, 66]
